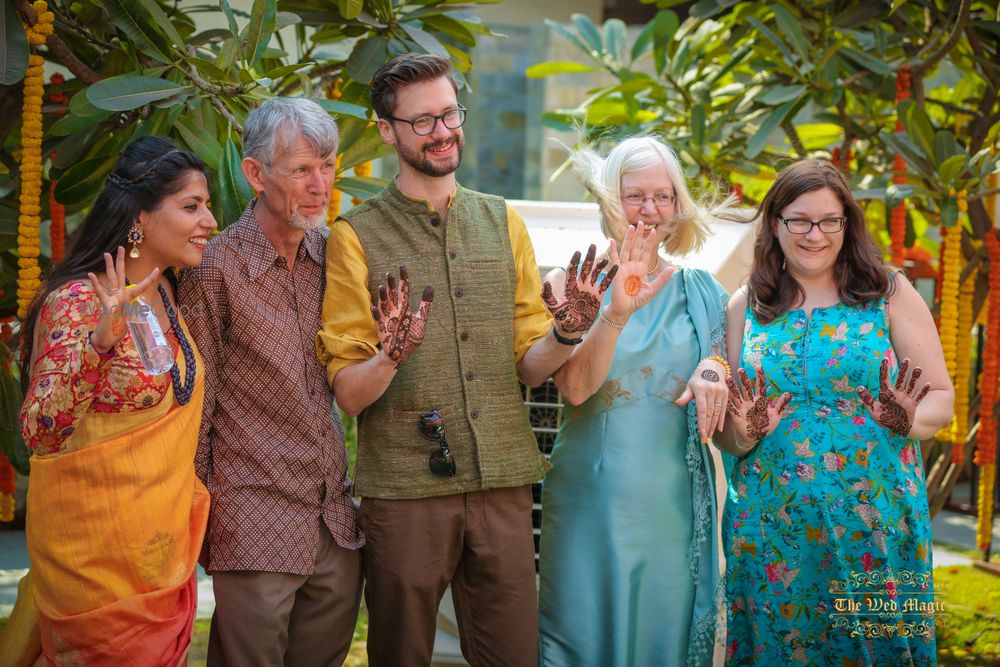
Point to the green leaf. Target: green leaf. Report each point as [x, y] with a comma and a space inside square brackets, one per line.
[14, 52]
[366, 57]
[779, 94]
[918, 126]
[259, 30]
[568, 34]
[945, 145]
[344, 108]
[866, 61]
[642, 41]
[350, 9]
[230, 18]
[665, 25]
[11, 443]
[900, 143]
[201, 142]
[234, 191]
[427, 41]
[817, 136]
[951, 168]
[160, 19]
[698, 124]
[81, 182]
[542, 70]
[449, 27]
[949, 212]
[792, 28]
[774, 39]
[129, 91]
[133, 19]
[368, 146]
[227, 54]
[360, 187]
[285, 19]
[761, 138]
[614, 38]
[588, 31]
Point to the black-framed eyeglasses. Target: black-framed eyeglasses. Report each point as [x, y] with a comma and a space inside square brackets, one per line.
[424, 125]
[660, 199]
[431, 426]
[804, 225]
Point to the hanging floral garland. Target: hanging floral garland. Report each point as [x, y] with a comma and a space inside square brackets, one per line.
[986, 443]
[29, 220]
[897, 219]
[951, 269]
[336, 196]
[963, 368]
[363, 170]
[57, 228]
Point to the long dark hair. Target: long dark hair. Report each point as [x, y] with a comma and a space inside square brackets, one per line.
[149, 170]
[859, 270]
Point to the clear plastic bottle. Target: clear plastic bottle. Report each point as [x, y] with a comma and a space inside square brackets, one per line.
[152, 345]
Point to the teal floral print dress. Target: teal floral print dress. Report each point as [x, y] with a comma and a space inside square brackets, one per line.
[826, 527]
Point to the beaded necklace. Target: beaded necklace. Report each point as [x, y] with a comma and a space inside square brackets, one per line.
[181, 392]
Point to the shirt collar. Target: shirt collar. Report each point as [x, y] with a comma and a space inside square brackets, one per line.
[413, 204]
[258, 252]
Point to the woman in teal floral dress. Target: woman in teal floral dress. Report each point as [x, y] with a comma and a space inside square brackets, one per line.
[826, 527]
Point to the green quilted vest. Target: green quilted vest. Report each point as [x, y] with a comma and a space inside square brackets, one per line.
[465, 366]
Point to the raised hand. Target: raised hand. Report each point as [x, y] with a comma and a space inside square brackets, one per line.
[114, 299]
[753, 415]
[630, 291]
[581, 300]
[896, 406]
[707, 386]
[400, 332]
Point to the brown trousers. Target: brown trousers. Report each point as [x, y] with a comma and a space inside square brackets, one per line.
[273, 619]
[479, 542]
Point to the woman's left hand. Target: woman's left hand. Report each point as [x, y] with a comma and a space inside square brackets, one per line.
[897, 406]
[707, 386]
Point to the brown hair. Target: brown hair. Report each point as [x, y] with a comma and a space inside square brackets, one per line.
[404, 70]
[859, 271]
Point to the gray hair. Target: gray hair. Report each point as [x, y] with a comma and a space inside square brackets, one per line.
[274, 126]
[602, 177]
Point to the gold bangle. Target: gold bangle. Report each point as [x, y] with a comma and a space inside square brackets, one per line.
[613, 325]
[719, 360]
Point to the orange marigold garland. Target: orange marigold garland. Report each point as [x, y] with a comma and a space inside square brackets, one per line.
[986, 440]
[363, 170]
[336, 197]
[951, 269]
[897, 219]
[29, 273]
[963, 367]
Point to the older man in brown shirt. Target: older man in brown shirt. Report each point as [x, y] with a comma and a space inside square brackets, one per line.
[282, 543]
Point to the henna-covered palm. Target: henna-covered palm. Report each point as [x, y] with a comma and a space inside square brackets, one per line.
[631, 291]
[400, 332]
[896, 406]
[581, 300]
[753, 415]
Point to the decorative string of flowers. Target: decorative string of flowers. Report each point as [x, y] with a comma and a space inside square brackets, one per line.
[897, 219]
[951, 269]
[963, 369]
[336, 196]
[29, 220]
[363, 170]
[986, 443]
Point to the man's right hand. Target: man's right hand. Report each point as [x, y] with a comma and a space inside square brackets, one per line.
[400, 332]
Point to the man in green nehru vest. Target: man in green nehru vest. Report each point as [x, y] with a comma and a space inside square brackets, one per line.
[446, 456]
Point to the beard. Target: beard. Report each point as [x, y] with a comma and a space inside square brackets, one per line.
[422, 163]
[305, 223]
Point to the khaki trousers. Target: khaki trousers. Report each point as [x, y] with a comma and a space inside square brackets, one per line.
[479, 542]
[274, 619]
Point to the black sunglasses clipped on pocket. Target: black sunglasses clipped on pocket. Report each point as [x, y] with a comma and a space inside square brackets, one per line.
[431, 426]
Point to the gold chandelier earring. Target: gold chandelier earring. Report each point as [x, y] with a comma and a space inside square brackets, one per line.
[135, 237]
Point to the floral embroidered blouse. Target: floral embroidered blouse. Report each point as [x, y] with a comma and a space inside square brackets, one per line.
[69, 378]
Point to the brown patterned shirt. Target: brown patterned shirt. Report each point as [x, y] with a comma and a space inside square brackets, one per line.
[271, 447]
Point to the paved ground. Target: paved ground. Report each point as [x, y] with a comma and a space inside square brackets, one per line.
[949, 529]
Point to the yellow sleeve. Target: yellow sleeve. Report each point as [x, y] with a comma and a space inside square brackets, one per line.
[348, 335]
[531, 319]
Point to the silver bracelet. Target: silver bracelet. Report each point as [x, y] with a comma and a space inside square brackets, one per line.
[613, 325]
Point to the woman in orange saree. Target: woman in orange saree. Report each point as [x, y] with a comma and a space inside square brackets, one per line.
[116, 515]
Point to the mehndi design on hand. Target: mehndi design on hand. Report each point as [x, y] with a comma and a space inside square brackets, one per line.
[897, 406]
[400, 332]
[710, 375]
[581, 302]
[762, 416]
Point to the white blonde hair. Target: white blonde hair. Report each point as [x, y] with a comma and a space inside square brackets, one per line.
[603, 178]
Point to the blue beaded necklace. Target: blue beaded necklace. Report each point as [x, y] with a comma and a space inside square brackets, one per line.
[181, 392]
